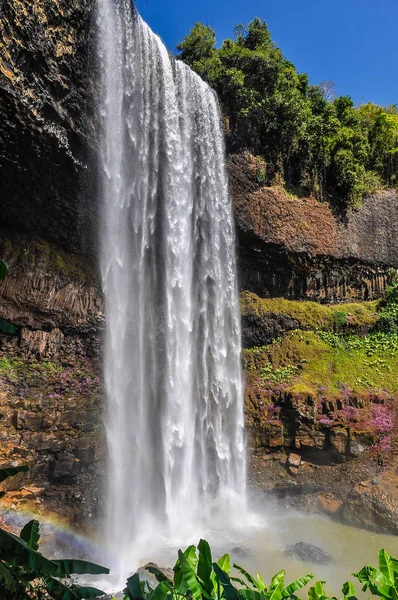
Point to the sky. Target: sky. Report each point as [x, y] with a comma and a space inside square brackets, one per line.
[353, 43]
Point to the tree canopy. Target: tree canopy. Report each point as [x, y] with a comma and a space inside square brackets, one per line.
[323, 144]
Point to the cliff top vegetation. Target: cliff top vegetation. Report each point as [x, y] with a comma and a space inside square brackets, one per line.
[314, 142]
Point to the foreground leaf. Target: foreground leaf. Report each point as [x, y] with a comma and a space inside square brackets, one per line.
[59, 591]
[16, 552]
[30, 534]
[160, 576]
[205, 566]
[296, 585]
[5, 576]
[133, 590]
[374, 579]
[251, 595]
[348, 590]
[189, 579]
[163, 590]
[230, 592]
[249, 577]
[68, 567]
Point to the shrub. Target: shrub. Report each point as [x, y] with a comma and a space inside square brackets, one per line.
[339, 319]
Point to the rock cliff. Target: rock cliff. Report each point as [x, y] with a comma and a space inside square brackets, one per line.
[47, 131]
[297, 248]
[51, 392]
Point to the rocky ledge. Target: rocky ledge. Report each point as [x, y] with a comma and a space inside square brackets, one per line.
[297, 248]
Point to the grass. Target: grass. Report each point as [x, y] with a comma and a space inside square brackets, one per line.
[312, 315]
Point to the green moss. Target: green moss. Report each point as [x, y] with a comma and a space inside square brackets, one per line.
[28, 253]
[312, 315]
[332, 362]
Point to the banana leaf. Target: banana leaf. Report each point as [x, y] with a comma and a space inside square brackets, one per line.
[247, 575]
[160, 576]
[162, 591]
[5, 576]
[230, 592]
[133, 589]
[189, 580]
[30, 534]
[205, 566]
[59, 591]
[296, 585]
[16, 552]
[68, 567]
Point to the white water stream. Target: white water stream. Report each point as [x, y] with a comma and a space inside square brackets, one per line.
[174, 422]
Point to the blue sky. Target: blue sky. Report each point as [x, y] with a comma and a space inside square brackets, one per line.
[353, 43]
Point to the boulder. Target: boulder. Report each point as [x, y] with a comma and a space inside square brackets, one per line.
[309, 553]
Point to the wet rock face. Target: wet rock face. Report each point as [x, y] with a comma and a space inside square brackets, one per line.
[47, 125]
[296, 247]
[51, 393]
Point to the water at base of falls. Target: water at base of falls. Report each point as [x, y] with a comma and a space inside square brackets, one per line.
[174, 422]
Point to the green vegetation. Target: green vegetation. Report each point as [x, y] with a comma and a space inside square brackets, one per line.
[316, 359]
[308, 138]
[312, 315]
[328, 351]
[34, 253]
[388, 320]
[197, 577]
[26, 573]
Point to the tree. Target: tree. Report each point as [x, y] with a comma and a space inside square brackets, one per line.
[198, 45]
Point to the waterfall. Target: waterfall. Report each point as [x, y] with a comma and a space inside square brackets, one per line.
[174, 420]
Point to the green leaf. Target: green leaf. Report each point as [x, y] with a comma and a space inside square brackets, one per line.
[296, 585]
[16, 552]
[68, 567]
[160, 576]
[11, 471]
[163, 590]
[7, 578]
[133, 589]
[317, 592]
[189, 577]
[249, 577]
[7, 328]
[261, 585]
[229, 592]
[240, 581]
[386, 565]
[205, 566]
[348, 590]
[277, 580]
[251, 595]
[3, 269]
[276, 591]
[190, 555]
[374, 579]
[59, 591]
[30, 534]
[225, 563]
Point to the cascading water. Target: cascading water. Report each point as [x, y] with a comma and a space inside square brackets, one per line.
[172, 364]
